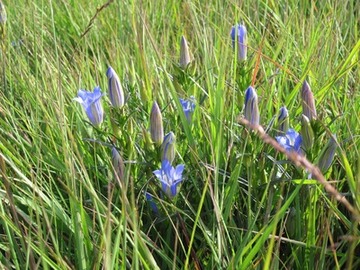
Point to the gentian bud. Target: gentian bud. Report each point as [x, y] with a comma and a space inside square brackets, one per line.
[156, 124]
[239, 37]
[118, 165]
[91, 101]
[184, 53]
[283, 120]
[307, 133]
[168, 147]
[308, 102]
[327, 155]
[116, 92]
[251, 106]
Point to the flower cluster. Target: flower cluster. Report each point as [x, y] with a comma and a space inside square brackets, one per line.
[91, 101]
[170, 177]
[288, 138]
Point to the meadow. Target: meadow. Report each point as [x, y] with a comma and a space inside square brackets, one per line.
[195, 163]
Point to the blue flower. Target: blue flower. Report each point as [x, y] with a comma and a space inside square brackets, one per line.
[188, 106]
[240, 32]
[251, 106]
[291, 141]
[116, 92]
[170, 177]
[91, 101]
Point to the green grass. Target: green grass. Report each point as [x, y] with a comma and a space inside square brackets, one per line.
[60, 206]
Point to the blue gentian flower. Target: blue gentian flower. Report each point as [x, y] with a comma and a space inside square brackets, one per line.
[116, 92]
[251, 106]
[188, 106]
[91, 101]
[239, 36]
[170, 177]
[291, 141]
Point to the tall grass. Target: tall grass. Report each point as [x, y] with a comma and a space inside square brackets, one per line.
[242, 204]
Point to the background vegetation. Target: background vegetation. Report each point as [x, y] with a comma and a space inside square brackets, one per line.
[60, 207]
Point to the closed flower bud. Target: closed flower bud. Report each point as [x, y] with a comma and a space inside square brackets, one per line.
[327, 155]
[91, 101]
[251, 106]
[118, 165]
[184, 53]
[116, 92]
[168, 147]
[239, 37]
[156, 124]
[283, 120]
[308, 102]
[2, 13]
[307, 133]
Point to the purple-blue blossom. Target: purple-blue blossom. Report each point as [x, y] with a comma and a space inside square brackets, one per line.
[91, 101]
[170, 177]
[291, 141]
[188, 106]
